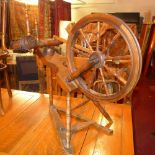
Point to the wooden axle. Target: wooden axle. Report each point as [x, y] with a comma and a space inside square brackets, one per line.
[126, 59]
[81, 70]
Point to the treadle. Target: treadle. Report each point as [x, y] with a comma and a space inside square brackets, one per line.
[82, 118]
[61, 130]
[65, 134]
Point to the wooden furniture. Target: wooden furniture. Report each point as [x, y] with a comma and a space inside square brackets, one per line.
[3, 57]
[107, 42]
[89, 40]
[116, 67]
[27, 72]
[94, 58]
[132, 18]
[147, 43]
[4, 22]
[12, 67]
[4, 71]
[28, 125]
[30, 42]
[58, 63]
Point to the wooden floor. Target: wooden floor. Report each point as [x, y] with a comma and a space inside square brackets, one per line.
[27, 129]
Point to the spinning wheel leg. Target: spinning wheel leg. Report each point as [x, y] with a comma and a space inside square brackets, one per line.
[66, 133]
[68, 121]
[61, 130]
[1, 104]
[49, 72]
[87, 122]
[7, 82]
[103, 111]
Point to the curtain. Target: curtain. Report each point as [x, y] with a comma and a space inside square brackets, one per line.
[62, 12]
[50, 14]
[45, 18]
[18, 27]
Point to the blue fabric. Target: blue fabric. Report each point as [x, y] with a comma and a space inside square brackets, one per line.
[26, 68]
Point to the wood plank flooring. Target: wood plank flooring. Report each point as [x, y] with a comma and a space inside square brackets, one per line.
[27, 129]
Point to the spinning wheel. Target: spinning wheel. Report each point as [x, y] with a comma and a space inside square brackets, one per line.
[112, 57]
[110, 66]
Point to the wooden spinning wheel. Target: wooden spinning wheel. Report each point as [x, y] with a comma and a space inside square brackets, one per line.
[110, 66]
[112, 57]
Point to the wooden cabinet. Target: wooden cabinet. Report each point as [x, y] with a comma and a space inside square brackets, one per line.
[147, 43]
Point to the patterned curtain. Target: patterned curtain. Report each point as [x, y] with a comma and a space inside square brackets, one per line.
[50, 14]
[45, 18]
[18, 19]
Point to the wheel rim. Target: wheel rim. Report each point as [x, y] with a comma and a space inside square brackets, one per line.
[120, 70]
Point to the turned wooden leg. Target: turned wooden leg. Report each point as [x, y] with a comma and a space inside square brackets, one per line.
[7, 82]
[41, 75]
[68, 121]
[49, 84]
[1, 104]
[103, 111]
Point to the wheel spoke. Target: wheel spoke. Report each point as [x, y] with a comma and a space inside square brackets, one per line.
[113, 40]
[125, 59]
[80, 53]
[104, 28]
[87, 42]
[112, 72]
[98, 36]
[82, 48]
[104, 83]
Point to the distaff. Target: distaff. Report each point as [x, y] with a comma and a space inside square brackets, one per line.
[30, 42]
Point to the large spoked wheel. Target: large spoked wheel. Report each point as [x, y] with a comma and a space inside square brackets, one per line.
[109, 56]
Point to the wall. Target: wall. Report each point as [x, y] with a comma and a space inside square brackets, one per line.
[145, 7]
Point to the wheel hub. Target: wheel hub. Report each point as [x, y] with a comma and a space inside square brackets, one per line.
[98, 58]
